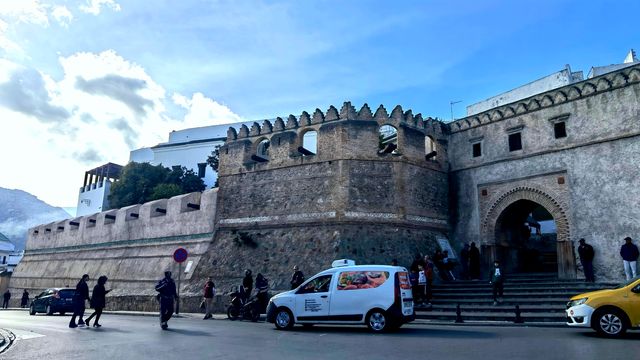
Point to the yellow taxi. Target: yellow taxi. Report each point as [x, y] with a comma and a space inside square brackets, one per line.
[610, 312]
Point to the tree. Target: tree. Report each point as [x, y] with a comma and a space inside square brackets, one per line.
[213, 161]
[143, 182]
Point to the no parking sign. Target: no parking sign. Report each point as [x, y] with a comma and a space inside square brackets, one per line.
[180, 255]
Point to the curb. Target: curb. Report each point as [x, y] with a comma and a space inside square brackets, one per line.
[491, 324]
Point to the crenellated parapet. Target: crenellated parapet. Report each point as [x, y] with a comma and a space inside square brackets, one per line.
[346, 133]
[590, 87]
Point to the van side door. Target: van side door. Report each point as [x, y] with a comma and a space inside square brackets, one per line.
[313, 299]
[357, 291]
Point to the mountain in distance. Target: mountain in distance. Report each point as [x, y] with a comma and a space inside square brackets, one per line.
[20, 211]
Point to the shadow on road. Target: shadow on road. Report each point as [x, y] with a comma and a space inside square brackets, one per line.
[403, 332]
[628, 336]
[188, 332]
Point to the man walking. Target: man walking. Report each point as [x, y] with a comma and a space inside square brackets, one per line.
[7, 296]
[474, 262]
[629, 253]
[586, 253]
[297, 278]
[497, 280]
[166, 289]
[24, 302]
[209, 294]
[79, 297]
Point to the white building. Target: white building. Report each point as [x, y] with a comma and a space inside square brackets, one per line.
[6, 249]
[94, 193]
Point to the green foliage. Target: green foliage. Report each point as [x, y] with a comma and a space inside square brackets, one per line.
[140, 182]
[213, 161]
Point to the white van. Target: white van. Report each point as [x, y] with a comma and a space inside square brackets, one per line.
[376, 295]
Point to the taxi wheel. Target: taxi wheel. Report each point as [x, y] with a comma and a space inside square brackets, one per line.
[377, 321]
[284, 319]
[610, 322]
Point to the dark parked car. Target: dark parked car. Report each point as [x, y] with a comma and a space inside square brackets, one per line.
[53, 300]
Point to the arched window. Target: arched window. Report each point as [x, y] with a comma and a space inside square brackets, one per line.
[263, 148]
[430, 151]
[309, 143]
[387, 139]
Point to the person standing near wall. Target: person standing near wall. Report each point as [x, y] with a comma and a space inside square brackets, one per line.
[247, 283]
[98, 301]
[474, 262]
[167, 294]
[586, 253]
[428, 272]
[297, 278]
[629, 253]
[24, 302]
[79, 298]
[7, 297]
[497, 281]
[209, 294]
[464, 261]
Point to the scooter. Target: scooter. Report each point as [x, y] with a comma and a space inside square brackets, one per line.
[239, 308]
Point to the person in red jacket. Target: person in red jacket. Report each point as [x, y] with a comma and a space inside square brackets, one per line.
[209, 293]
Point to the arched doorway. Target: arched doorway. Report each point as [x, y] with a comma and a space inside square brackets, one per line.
[504, 233]
[526, 238]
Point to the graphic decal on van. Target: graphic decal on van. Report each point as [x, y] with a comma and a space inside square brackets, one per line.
[404, 280]
[355, 280]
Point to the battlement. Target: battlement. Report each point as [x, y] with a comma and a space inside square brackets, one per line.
[334, 135]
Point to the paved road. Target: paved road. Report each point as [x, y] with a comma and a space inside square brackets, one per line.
[139, 337]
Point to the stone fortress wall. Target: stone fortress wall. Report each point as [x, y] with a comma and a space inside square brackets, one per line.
[132, 246]
[587, 180]
[347, 200]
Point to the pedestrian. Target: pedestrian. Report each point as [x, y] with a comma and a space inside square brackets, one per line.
[422, 286]
[262, 295]
[417, 261]
[415, 290]
[247, 284]
[297, 278]
[7, 296]
[497, 281]
[447, 265]
[629, 253]
[209, 294]
[24, 302]
[586, 254]
[464, 261]
[79, 297]
[167, 294]
[474, 262]
[98, 300]
[428, 272]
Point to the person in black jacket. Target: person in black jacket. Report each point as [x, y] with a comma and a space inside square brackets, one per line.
[586, 253]
[247, 284]
[474, 262]
[7, 297]
[24, 302]
[98, 301]
[297, 278]
[79, 297]
[629, 253]
[167, 294]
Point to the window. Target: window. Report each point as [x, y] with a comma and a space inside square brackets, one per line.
[202, 170]
[430, 148]
[387, 140]
[263, 148]
[560, 130]
[317, 285]
[515, 142]
[356, 280]
[310, 142]
[477, 150]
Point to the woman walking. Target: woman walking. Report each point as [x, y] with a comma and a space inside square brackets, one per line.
[98, 300]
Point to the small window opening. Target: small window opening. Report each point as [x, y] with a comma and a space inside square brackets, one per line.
[430, 148]
[202, 170]
[515, 142]
[309, 143]
[477, 150]
[560, 130]
[387, 140]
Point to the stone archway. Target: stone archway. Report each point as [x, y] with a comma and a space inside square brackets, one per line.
[492, 218]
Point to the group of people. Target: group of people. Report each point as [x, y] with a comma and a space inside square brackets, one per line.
[97, 302]
[421, 273]
[628, 251]
[24, 301]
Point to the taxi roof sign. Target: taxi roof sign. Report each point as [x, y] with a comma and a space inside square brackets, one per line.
[342, 262]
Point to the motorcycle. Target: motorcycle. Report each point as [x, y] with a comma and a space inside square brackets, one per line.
[241, 308]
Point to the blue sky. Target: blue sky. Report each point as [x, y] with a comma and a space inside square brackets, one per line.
[84, 81]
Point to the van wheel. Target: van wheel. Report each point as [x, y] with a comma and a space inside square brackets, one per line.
[377, 321]
[32, 310]
[610, 322]
[284, 319]
[49, 310]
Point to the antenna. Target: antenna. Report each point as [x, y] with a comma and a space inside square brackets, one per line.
[451, 103]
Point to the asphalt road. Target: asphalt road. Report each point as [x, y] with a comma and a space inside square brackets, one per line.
[140, 337]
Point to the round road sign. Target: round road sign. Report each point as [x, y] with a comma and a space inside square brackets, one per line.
[180, 255]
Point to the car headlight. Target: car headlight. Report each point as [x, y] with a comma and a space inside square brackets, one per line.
[576, 302]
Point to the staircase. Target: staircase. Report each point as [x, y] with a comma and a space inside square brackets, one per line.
[541, 297]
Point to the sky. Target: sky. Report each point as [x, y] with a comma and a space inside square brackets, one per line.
[83, 82]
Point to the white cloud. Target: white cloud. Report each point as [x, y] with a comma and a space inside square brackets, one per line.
[62, 15]
[95, 6]
[203, 111]
[25, 11]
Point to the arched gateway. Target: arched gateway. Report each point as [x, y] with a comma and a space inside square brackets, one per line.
[507, 235]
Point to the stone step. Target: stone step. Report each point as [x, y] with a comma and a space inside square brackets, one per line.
[474, 284]
[507, 294]
[519, 289]
[507, 301]
[492, 316]
[551, 308]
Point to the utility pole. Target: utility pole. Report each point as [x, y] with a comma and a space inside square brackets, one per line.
[451, 103]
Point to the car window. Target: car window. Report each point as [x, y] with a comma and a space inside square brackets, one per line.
[66, 293]
[317, 285]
